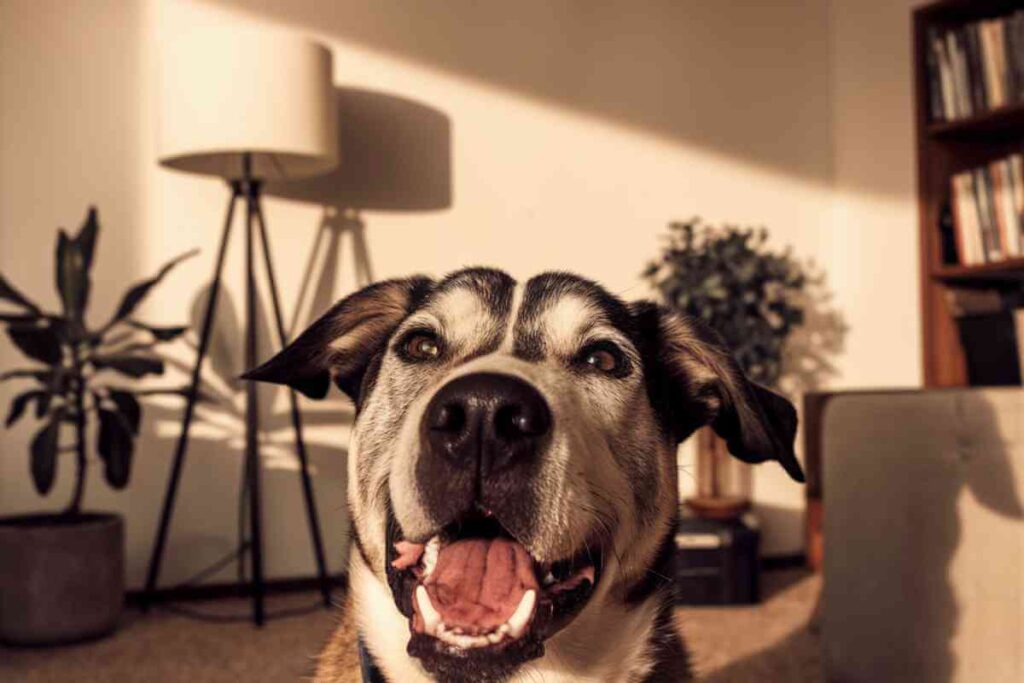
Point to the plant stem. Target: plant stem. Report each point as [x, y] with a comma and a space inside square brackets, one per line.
[78, 390]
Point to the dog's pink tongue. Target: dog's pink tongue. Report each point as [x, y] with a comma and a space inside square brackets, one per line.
[477, 583]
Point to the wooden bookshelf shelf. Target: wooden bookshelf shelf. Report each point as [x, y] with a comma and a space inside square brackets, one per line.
[958, 11]
[1005, 120]
[1010, 269]
[943, 150]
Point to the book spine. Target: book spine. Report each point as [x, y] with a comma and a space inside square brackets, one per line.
[960, 74]
[1008, 25]
[935, 96]
[988, 246]
[958, 221]
[946, 78]
[991, 69]
[1018, 51]
[972, 210]
[1004, 208]
[995, 189]
[998, 38]
[1013, 245]
[1017, 173]
[996, 250]
[976, 74]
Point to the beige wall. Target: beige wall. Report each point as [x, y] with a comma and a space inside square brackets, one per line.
[577, 133]
[872, 252]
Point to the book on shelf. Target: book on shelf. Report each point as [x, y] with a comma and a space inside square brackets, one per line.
[991, 330]
[987, 206]
[975, 67]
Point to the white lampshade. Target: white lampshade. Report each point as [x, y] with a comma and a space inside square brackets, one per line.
[227, 92]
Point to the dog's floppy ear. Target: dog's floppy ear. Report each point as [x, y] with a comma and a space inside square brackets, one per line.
[343, 342]
[702, 383]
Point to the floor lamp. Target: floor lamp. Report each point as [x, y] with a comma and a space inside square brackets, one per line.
[247, 106]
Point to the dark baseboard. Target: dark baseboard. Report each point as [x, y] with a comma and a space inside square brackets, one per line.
[216, 591]
[778, 562]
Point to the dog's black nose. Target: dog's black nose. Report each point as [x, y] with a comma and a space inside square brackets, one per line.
[486, 421]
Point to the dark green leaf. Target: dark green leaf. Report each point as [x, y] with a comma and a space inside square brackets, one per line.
[115, 447]
[72, 278]
[44, 376]
[20, 318]
[38, 343]
[8, 292]
[86, 238]
[138, 292]
[129, 408]
[21, 401]
[44, 454]
[43, 404]
[133, 366]
[159, 333]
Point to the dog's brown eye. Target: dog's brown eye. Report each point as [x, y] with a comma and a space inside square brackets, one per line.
[421, 346]
[602, 359]
[605, 357]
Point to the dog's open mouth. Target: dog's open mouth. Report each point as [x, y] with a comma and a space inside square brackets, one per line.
[474, 590]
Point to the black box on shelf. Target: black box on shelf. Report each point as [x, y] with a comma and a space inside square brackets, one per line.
[717, 561]
[991, 349]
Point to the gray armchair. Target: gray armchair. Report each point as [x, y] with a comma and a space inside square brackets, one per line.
[924, 536]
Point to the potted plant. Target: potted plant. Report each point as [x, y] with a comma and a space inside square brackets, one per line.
[728, 279]
[62, 574]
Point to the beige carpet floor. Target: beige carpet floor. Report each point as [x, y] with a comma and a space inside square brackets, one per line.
[774, 641]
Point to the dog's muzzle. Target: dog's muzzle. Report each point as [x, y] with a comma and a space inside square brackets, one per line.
[472, 585]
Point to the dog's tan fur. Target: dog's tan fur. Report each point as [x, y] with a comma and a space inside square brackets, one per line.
[609, 466]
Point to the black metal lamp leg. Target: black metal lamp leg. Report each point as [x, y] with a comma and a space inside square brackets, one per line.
[156, 558]
[300, 444]
[252, 454]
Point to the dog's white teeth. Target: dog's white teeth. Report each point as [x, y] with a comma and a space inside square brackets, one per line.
[463, 641]
[549, 579]
[457, 636]
[521, 617]
[432, 623]
[430, 552]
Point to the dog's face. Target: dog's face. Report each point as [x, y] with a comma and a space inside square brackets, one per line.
[513, 458]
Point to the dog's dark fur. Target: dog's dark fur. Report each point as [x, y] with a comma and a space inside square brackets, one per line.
[610, 458]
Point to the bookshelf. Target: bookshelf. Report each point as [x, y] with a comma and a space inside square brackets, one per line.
[944, 149]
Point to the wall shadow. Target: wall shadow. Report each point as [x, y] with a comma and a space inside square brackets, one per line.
[396, 155]
[220, 417]
[896, 577]
[723, 76]
[793, 660]
[216, 444]
[808, 358]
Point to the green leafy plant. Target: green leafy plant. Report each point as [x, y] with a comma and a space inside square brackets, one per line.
[728, 278]
[75, 363]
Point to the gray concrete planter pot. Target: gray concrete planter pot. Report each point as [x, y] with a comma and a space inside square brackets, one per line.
[61, 578]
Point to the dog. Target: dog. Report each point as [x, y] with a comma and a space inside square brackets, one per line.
[512, 471]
